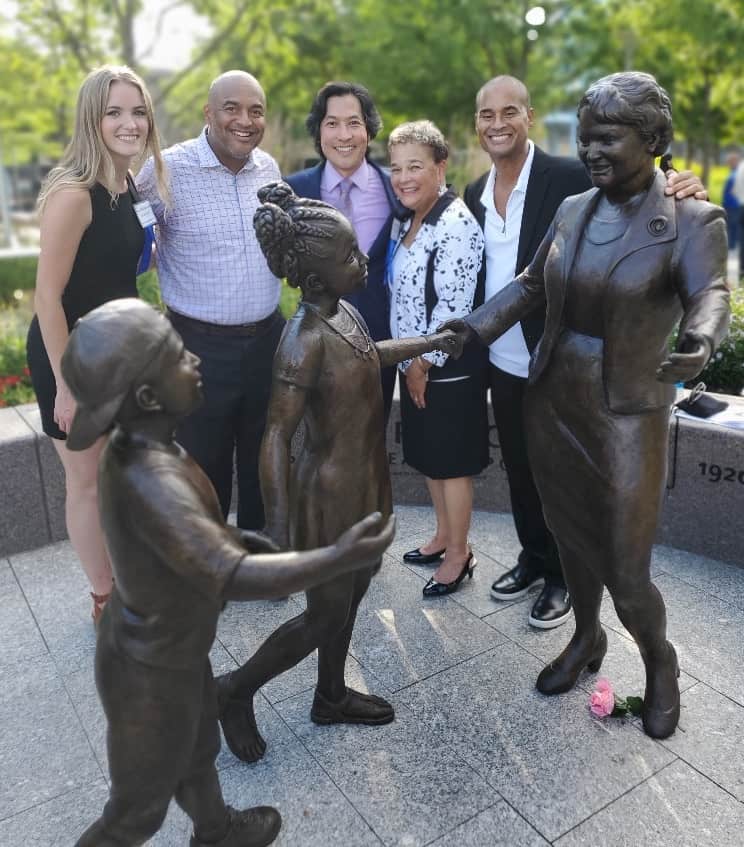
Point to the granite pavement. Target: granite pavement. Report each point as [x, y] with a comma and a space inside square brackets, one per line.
[476, 757]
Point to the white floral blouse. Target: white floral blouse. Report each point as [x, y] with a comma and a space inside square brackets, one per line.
[448, 249]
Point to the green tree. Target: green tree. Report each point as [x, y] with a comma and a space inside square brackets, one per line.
[693, 47]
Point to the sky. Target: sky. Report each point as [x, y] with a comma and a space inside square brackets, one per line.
[180, 27]
[168, 51]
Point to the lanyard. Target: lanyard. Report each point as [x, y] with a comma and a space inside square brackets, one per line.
[144, 214]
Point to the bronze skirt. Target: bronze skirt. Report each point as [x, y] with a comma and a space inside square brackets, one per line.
[600, 474]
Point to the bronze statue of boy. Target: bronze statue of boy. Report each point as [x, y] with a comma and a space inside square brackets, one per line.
[175, 564]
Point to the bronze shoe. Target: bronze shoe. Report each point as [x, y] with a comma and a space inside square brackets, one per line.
[561, 674]
[661, 702]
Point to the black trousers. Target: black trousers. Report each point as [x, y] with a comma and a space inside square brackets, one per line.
[229, 426]
[538, 544]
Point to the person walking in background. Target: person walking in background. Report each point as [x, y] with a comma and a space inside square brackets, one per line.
[514, 203]
[738, 191]
[92, 240]
[729, 201]
[435, 256]
[221, 296]
[343, 120]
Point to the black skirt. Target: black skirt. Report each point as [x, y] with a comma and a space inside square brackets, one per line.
[42, 379]
[449, 438]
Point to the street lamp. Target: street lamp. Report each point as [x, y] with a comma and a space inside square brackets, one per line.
[535, 16]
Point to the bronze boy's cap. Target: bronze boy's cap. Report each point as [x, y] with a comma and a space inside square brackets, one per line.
[107, 350]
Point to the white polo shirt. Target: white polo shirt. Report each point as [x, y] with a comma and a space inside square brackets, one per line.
[509, 352]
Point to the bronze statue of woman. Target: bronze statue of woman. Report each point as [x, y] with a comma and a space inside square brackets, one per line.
[327, 373]
[619, 267]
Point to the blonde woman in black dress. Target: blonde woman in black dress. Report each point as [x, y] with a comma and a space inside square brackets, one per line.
[91, 243]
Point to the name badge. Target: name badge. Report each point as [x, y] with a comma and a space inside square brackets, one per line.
[144, 213]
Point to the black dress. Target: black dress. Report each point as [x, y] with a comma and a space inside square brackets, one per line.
[448, 439]
[434, 279]
[105, 268]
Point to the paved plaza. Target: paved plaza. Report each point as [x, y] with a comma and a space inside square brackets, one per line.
[476, 757]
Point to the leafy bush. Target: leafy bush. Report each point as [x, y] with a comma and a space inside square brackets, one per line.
[12, 355]
[16, 274]
[289, 300]
[149, 289]
[724, 374]
[16, 390]
[15, 382]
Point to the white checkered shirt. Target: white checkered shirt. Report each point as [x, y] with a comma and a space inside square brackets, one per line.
[210, 265]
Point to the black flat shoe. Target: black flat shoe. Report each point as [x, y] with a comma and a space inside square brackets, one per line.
[416, 557]
[439, 589]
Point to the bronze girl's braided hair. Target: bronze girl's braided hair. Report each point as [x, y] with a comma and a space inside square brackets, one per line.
[288, 227]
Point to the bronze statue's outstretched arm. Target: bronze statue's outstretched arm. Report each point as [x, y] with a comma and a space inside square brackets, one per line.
[523, 294]
[269, 575]
[399, 349]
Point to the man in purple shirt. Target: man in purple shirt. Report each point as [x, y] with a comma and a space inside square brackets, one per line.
[343, 120]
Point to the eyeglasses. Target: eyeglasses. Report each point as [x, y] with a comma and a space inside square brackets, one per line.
[696, 393]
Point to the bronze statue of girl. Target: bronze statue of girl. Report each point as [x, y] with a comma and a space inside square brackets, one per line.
[327, 373]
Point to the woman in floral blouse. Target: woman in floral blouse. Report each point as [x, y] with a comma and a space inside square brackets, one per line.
[433, 263]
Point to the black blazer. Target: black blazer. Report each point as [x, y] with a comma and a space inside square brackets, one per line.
[552, 179]
[374, 301]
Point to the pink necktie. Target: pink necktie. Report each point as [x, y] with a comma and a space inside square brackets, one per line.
[345, 206]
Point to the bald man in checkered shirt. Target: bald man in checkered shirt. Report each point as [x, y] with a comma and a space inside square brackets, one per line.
[221, 296]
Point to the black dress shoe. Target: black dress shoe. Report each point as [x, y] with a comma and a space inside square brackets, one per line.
[439, 589]
[552, 607]
[516, 582]
[416, 557]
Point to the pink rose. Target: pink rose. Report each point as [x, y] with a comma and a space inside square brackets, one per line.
[602, 701]
[604, 684]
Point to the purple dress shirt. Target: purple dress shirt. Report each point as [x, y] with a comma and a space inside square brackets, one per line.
[369, 202]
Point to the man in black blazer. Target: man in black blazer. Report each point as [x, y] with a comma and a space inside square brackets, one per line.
[514, 203]
[343, 120]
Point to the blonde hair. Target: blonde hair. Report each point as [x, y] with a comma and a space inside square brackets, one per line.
[86, 158]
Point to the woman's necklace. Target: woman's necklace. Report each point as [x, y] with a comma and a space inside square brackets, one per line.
[349, 329]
